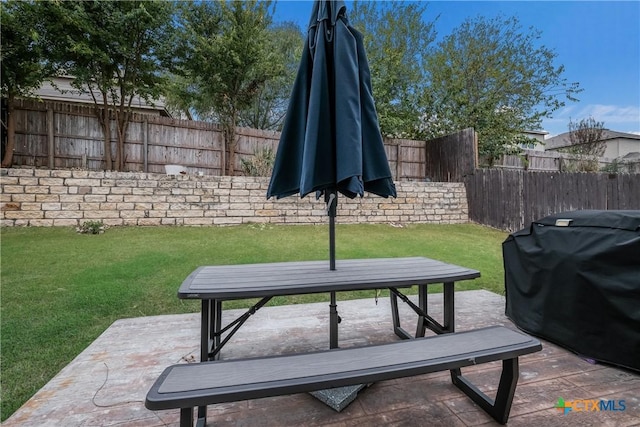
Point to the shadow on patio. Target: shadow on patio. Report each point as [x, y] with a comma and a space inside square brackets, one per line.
[107, 383]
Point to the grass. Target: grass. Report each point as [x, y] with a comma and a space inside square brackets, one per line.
[61, 289]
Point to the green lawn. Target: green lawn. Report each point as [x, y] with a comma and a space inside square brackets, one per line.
[61, 289]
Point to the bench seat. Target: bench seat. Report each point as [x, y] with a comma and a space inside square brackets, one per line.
[186, 386]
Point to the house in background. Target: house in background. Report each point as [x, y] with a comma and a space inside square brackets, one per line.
[537, 140]
[622, 154]
[618, 144]
[60, 90]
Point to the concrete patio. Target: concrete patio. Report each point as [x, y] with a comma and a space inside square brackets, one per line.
[107, 383]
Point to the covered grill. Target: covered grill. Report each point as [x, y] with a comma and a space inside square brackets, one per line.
[574, 279]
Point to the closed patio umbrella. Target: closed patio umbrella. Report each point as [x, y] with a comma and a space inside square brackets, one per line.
[331, 141]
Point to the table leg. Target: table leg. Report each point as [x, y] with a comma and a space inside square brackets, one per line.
[210, 326]
[395, 316]
[449, 320]
[421, 326]
[205, 329]
[216, 325]
[205, 339]
[449, 308]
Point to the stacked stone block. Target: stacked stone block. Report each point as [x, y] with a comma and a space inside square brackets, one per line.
[37, 197]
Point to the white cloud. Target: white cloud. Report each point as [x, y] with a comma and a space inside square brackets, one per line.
[609, 114]
[614, 117]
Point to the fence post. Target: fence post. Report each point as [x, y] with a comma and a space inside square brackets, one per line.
[399, 160]
[145, 146]
[50, 139]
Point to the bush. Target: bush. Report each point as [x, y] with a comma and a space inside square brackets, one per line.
[261, 164]
[91, 227]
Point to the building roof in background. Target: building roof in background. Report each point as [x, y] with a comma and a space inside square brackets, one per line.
[563, 140]
[535, 132]
[61, 90]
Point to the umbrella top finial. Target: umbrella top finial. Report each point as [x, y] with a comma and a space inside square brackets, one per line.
[327, 10]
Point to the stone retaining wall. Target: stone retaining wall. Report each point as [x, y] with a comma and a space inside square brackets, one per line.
[37, 197]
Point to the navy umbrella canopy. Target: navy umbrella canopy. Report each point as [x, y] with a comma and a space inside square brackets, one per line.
[331, 139]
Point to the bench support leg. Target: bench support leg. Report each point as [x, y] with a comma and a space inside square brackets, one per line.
[395, 315]
[424, 320]
[448, 325]
[500, 407]
[186, 417]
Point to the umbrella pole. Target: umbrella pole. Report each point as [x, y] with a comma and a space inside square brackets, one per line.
[332, 243]
[334, 319]
[331, 198]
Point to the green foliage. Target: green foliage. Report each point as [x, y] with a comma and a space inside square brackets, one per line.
[494, 76]
[58, 295]
[622, 166]
[397, 41]
[91, 227]
[260, 164]
[114, 51]
[613, 167]
[226, 58]
[23, 60]
[23, 65]
[268, 109]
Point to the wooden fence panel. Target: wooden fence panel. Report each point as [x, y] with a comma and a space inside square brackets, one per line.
[153, 141]
[34, 142]
[410, 163]
[450, 158]
[623, 192]
[512, 199]
[195, 145]
[392, 149]
[252, 140]
[73, 150]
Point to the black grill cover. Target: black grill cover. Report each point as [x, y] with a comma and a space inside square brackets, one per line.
[578, 285]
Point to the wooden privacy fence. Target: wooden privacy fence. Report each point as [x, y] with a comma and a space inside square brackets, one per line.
[511, 199]
[59, 135]
[535, 160]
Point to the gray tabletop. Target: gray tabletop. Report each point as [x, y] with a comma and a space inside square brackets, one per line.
[291, 278]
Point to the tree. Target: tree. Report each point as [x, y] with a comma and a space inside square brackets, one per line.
[492, 75]
[115, 52]
[227, 56]
[23, 63]
[397, 42]
[269, 108]
[586, 142]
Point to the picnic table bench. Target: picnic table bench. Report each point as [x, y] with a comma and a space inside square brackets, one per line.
[187, 386]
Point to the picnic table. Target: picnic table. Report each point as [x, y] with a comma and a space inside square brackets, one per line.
[215, 284]
[207, 382]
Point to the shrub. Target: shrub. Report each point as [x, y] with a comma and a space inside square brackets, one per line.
[91, 227]
[260, 164]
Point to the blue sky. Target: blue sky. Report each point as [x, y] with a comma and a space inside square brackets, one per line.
[598, 42]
